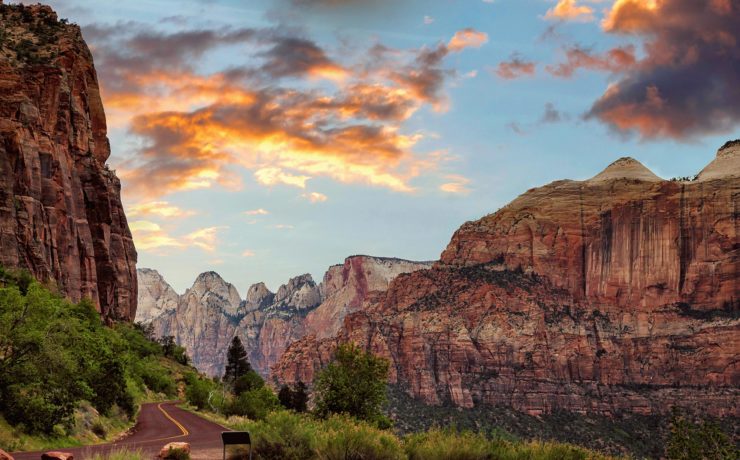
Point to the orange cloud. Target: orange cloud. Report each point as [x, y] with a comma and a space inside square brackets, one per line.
[157, 208]
[569, 10]
[467, 38]
[457, 185]
[201, 131]
[618, 59]
[686, 84]
[151, 236]
[515, 67]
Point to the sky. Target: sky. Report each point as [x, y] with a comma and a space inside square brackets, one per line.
[266, 139]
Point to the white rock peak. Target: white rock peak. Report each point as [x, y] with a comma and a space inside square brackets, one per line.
[725, 164]
[625, 168]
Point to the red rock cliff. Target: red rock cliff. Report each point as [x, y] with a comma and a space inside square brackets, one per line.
[615, 294]
[60, 208]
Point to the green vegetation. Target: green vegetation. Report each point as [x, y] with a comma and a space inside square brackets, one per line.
[354, 384]
[291, 436]
[704, 440]
[237, 363]
[122, 454]
[296, 398]
[65, 378]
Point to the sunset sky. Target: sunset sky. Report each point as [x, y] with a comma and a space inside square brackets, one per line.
[266, 139]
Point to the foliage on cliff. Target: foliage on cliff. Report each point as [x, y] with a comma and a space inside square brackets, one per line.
[55, 355]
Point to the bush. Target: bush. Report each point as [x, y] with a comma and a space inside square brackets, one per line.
[198, 391]
[354, 383]
[437, 444]
[705, 440]
[248, 382]
[155, 376]
[342, 438]
[255, 404]
[284, 435]
[294, 399]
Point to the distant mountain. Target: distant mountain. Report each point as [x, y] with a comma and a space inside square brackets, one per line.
[61, 216]
[618, 294]
[208, 315]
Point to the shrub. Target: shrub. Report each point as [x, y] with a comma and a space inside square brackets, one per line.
[284, 435]
[248, 382]
[255, 404]
[354, 383]
[294, 399]
[437, 444]
[705, 440]
[198, 390]
[343, 438]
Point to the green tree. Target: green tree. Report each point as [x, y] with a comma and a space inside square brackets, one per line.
[247, 382]
[294, 399]
[698, 441]
[237, 363]
[353, 383]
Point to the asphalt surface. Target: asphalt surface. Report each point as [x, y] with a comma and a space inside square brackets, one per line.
[158, 424]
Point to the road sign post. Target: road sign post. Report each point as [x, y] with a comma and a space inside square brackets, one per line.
[231, 438]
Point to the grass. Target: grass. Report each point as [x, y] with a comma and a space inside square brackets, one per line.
[122, 454]
[290, 436]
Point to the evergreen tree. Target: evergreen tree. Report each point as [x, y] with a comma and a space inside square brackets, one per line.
[237, 363]
[294, 399]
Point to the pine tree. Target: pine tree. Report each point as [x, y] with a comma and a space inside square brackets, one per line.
[237, 363]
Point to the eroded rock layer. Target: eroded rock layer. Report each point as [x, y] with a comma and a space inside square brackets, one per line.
[615, 294]
[61, 216]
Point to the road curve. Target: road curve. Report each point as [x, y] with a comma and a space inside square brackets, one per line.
[158, 424]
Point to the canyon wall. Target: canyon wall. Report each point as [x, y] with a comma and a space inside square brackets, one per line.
[61, 216]
[208, 315]
[610, 295]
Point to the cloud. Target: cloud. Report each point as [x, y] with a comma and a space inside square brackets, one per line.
[617, 59]
[570, 10]
[552, 115]
[157, 208]
[467, 38]
[283, 227]
[257, 212]
[315, 197]
[204, 238]
[295, 57]
[688, 82]
[149, 235]
[273, 176]
[457, 185]
[248, 253]
[428, 20]
[198, 131]
[515, 67]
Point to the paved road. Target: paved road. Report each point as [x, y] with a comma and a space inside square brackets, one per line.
[158, 424]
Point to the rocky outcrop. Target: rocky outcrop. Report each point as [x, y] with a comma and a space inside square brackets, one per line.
[61, 216]
[156, 296]
[615, 294]
[210, 313]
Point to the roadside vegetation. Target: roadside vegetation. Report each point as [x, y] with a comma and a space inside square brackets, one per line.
[67, 379]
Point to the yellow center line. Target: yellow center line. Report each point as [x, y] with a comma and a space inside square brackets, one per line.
[185, 432]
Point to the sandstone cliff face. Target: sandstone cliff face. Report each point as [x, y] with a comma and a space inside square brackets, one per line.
[209, 314]
[615, 294]
[156, 296]
[60, 209]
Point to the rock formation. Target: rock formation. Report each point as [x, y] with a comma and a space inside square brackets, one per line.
[614, 294]
[60, 208]
[156, 297]
[208, 315]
